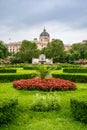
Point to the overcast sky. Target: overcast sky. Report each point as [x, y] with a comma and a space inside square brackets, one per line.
[25, 19]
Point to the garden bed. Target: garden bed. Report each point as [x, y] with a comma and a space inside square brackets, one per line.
[47, 84]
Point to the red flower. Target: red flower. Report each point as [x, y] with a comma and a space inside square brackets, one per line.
[47, 84]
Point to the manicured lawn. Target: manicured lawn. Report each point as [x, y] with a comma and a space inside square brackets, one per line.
[29, 120]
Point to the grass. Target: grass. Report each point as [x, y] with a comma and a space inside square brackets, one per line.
[29, 120]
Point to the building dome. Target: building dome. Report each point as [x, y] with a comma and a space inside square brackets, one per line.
[44, 33]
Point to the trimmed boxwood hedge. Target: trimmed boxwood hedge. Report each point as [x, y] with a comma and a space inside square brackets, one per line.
[75, 70]
[71, 77]
[29, 68]
[79, 109]
[5, 70]
[70, 65]
[8, 109]
[12, 77]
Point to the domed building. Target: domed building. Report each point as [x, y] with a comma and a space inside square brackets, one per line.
[44, 39]
[42, 42]
[44, 36]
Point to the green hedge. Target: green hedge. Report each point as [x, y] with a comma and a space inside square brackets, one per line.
[75, 70]
[69, 65]
[8, 108]
[5, 70]
[12, 77]
[79, 109]
[29, 68]
[72, 77]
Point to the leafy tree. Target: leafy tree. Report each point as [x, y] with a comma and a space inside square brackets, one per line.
[3, 50]
[28, 50]
[80, 49]
[55, 50]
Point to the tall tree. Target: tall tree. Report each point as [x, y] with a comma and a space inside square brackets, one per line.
[3, 50]
[81, 49]
[55, 50]
[28, 50]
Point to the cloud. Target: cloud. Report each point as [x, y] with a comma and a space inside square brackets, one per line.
[24, 19]
[55, 29]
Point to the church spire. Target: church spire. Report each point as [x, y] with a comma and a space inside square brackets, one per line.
[44, 30]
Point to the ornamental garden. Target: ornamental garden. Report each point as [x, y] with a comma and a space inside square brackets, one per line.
[37, 97]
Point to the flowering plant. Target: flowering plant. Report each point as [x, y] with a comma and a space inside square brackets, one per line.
[45, 102]
[46, 84]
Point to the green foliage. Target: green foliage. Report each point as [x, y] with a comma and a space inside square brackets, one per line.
[6, 70]
[52, 120]
[79, 109]
[75, 70]
[55, 50]
[29, 67]
[45, 103]
[12, 77]
[3, 50]
[71, 77]
[79, 51]
[8, 108]
[43, 70]
[28, 50]
[64, 65]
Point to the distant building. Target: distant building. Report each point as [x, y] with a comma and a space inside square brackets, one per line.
[13, 47]
[44, 39]
[67, 47]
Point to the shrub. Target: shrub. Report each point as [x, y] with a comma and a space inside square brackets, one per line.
[29, 67]
[71, 77]
[79, 109]
[48, 84]
[54, 67]
[5, 70]
[70, 65]
[75, 70]
[12, 77]
[8, 108]
[43, 71]
[45, 103]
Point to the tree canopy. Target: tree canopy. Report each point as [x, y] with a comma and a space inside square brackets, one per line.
[28, 50]
[3, 50]
[55, 50]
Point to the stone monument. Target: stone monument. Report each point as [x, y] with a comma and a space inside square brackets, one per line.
[42, 60]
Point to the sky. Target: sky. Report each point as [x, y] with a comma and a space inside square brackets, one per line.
[25, 20]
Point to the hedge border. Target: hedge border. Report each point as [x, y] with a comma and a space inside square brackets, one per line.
[79, 109]
[75, 70]
[12, 77]
[5, 70]
[8, 109]
[71, 77]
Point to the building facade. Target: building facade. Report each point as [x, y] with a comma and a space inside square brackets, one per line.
[42, 42]
[44, 39]
[13, 47]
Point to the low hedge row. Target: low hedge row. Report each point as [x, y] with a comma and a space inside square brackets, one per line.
[79, 109]
[70, 65]
[8, 109]
[71, 77]
[75, 70]
[12, 77]
[29, 67]
[5, 70]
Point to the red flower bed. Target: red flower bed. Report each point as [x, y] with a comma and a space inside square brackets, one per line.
[48, 84]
